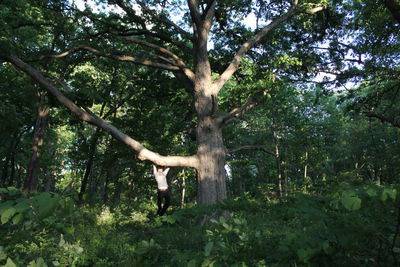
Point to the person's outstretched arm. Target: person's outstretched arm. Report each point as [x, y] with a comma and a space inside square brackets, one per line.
[154, 169]
[166, 171]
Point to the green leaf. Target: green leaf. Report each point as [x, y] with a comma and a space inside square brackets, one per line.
[7, 215]
[208, 248]
[388, 192]
[371, 192]
[3, 255]
[5, 206]
[22, 205]
[18, 218]
[350, 201]
[192, 263]
[46, 204]
[10, 263]
[37, 263]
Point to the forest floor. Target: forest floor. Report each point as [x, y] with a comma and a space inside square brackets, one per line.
[347, 225]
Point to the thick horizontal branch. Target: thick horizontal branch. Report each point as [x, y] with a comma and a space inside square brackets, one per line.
[116, 57]
[257, 148]
[383, 119]
[143, 153]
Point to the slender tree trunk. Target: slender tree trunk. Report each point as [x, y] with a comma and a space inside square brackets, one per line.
[286, 172]
[31, 181]
[278, 163]
[276, 144]
[183, 188]
[89, 163]
[104, 191]
[6, 162]
[12, 175]
[306, 165]
[131, 185]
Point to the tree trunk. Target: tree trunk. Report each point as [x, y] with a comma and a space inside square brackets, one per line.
[104, 189]
[211, 172]
[276, 144]
[8, 158]
[286, 172]
[89, 164]
[183, 188]
[278, 163]
[306, 165]
[31, 181]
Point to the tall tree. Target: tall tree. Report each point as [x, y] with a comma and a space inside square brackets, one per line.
[146, 27]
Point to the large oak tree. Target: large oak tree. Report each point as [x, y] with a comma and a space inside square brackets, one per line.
[144, 33]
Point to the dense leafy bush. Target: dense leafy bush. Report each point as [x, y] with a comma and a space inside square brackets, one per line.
[350, 225]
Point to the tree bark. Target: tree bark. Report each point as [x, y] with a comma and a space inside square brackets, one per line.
[183, 188]
[31, 181]
[211, 153]
[89, 164]
[276, 144]
[8, 158]
[306, 165]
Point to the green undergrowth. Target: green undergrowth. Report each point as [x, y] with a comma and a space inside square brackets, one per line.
[349, 225]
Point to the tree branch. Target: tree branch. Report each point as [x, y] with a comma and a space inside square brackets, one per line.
[383, 119]
[163, 50]
[240, 111]
[116, 57]
[258, 148]
[143, 153]
[164, 20]
[195, 12]
[234, 65]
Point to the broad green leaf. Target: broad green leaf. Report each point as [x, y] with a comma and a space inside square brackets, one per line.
[46, 205]
[18, 218]
[388, 192]
[350, 201]
[22, 205]
[7, 215]
[5, 206]
[371, 192]
[208, 248]
[37, 263]
[3, 255]
[192, 263]
[10, 263]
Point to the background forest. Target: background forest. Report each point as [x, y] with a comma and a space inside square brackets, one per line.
[296, 103]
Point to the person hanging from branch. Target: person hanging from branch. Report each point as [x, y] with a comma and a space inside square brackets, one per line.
[163, 191]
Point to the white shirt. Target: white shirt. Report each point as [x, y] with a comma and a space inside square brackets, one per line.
[161, 178]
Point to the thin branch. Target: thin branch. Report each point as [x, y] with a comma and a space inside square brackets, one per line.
[234, 65]
[131, 13]
[240, 111]
[143, 153]
[116, 57]
[382, 118]
[257, 148]
[164, 20]
[163, 50]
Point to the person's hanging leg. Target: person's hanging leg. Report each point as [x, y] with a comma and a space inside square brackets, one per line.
[159, 201]
[167, 196]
